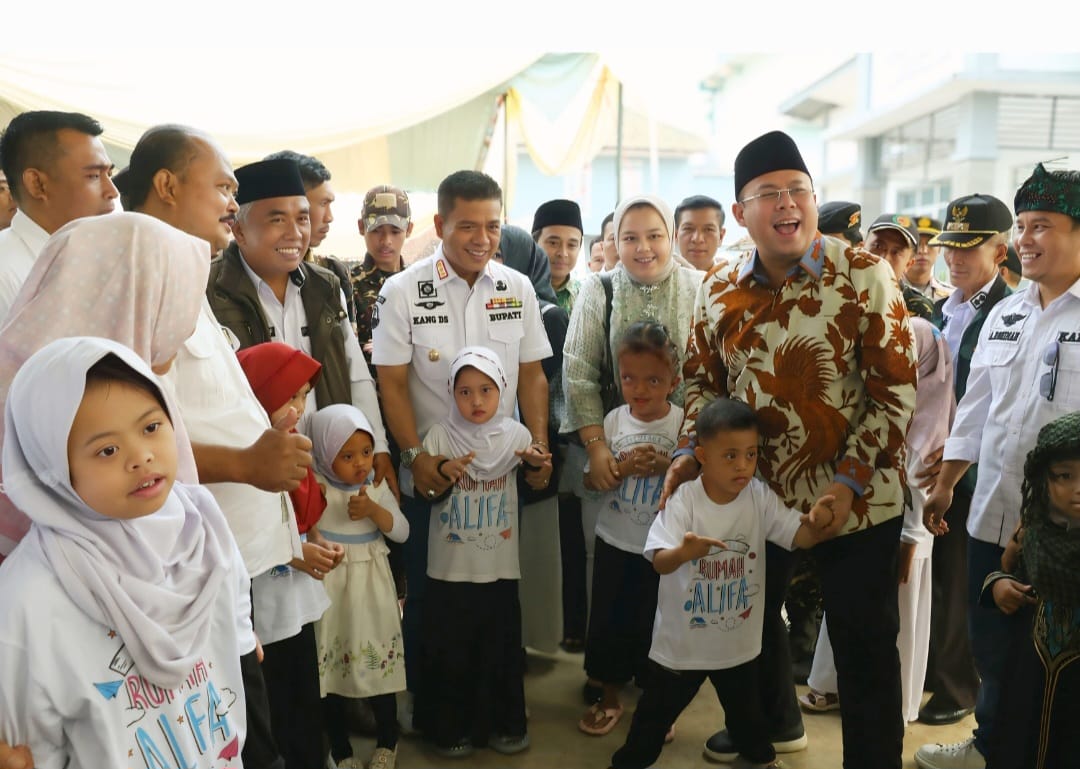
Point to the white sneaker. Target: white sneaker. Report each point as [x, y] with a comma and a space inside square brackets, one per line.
[957, 755]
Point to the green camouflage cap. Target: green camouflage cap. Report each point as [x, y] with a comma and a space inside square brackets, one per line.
[386, 205]
[1057, 191]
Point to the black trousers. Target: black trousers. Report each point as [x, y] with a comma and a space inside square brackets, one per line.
[670, 691]
[950, 670]
[260, 749]
[858, 582]
[291, 670]
[621, 621]
[572, 550]
[472, 683]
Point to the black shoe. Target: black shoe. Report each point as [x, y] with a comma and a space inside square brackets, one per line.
[719, 747]
[939, 712]
[592, 694]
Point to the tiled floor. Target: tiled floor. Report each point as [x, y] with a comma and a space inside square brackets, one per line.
[553, 691]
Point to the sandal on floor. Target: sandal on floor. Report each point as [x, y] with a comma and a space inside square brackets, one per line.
[598, 721]
[819, 702]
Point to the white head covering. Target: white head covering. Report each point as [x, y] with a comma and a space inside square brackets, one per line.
[155, 579]
[330, 428]
[935, 400]
[668, 218]
[492, 442]
[126, 277]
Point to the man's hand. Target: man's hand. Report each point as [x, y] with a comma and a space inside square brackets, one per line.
[438, 473]
[1010, 595]
[927, 477]
[821, 516]
[384, 468]
[905, 559]
[537, 458]
[933, 513]
[279, 459]
[15, 757]
[681, 470]
[603, 472]
[843, 497]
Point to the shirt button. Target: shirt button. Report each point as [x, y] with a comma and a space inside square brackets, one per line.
[433, 355]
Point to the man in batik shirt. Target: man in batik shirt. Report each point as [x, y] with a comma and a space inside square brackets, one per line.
[815, 338]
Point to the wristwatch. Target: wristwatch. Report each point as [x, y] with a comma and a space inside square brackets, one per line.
[408, 456]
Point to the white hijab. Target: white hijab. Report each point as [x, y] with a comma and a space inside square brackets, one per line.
[492, 442]
[154, 580]
[330, 428]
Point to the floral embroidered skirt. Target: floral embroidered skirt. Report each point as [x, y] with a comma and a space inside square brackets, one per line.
[359, 636]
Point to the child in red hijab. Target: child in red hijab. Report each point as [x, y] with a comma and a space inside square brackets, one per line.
[281, 377]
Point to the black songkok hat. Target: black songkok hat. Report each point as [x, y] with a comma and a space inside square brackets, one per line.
[774, 151]
[268, 179]
[556, 212]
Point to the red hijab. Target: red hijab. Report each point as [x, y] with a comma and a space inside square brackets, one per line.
[276, 373]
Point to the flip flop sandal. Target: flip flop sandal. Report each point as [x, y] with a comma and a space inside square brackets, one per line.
[599, 721]
[819, 702]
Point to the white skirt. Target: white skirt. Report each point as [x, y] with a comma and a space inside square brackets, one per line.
[359, 636]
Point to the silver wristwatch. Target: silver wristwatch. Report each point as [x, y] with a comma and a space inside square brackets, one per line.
[408, 456]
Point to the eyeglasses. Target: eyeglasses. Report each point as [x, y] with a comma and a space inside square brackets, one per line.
[797, 195]
[1048, 382]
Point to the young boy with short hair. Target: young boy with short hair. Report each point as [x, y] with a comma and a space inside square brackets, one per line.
[708, 544]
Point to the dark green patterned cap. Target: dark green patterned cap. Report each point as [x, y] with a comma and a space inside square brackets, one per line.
[1057, 191]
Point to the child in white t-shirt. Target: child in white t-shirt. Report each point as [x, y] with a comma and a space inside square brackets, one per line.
[125, 608]
[473, 687]
[708, 544]
[359, 636]
[641, 434]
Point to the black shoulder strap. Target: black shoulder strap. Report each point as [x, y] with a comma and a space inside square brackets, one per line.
[607, 367]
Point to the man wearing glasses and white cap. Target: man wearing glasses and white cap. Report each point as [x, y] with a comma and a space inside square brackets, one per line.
[1025, 372]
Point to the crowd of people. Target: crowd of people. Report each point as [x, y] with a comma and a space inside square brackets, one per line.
[250, 490]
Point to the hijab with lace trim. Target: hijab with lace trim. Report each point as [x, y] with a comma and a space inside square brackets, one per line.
[155, 580]
[126, 277]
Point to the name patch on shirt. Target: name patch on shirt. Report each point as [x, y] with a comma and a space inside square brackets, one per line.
[423, 320]
[513, 315]
[1004, 336]
[1069, 337]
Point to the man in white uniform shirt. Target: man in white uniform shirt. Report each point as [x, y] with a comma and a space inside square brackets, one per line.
[1025, 372]
[424, 315]
[57, 171]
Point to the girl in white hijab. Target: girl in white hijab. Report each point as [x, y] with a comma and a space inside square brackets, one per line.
[472, 660]
[359, 636]
[126, 605]
[126, 277]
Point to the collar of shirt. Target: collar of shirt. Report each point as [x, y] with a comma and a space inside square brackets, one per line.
[953, 304]
[443, 272]
[29, 232]
[811, 263]
[296, 280]
[1032, 298]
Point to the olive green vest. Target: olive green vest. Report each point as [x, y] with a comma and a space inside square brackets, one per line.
[235, 303]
